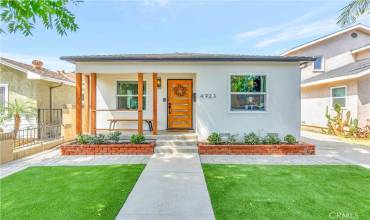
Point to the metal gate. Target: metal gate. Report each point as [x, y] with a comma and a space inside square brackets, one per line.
[49, 123]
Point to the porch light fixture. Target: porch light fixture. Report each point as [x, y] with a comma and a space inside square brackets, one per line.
[159, 82]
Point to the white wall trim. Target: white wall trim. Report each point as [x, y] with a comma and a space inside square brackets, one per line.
[322, 69]
[361, 49]
[353, 76]
[132, 80]
[229, 93]
[6, 86]
[345, 96]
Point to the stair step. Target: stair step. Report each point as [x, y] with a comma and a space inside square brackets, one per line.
[178, 137]
[177, 149]
[191, 142]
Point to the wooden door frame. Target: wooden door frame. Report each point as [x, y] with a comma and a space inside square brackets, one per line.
[191, 128]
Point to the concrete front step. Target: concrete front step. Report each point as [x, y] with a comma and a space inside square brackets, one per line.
[176, 149]
[173, 143]
[190, 136]
[190, 142]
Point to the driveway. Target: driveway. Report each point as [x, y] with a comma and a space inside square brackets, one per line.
[332, 147]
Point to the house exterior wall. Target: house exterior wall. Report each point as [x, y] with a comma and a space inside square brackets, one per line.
[315, 100]
[337, 52]
[283, 94]
[364, 100]
[362, 55]
[35, 92]
[106, 99]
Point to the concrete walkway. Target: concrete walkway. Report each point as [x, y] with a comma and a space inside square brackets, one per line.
[172, 186]
[332, 147]
[53, 158]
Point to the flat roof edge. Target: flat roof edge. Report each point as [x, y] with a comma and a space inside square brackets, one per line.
[74, 59]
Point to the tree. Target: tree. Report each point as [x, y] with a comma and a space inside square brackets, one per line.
[352, 11]
[21, 15]
[16, 110]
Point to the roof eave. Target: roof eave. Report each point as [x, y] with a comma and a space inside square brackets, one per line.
[33, 75]
[294, 49]
[120, 59]
[330, 80]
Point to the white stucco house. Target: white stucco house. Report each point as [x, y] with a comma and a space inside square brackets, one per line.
[340, 74]
[186, 91]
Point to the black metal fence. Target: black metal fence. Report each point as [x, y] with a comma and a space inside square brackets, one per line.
[49, 117]
[49, 127]
[30, 136]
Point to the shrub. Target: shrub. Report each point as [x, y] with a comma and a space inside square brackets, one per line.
[271, 139]
[214, 138]
[114, 136]
[97, 139]
[82, 139]
[290, 139]
[252, 138]
[137, 139]
[232, 139]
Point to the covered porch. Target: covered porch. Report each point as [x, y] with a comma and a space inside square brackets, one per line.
[134, 103]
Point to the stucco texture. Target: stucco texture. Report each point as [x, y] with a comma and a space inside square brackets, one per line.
[34, 91]
[337, 52]
[210, 115]
[364, 100]
[315, 99]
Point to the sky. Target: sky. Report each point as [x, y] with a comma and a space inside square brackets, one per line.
[164, 26]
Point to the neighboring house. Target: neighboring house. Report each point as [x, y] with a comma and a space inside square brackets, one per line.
[201, 92]
[43, 88]
[340, 74]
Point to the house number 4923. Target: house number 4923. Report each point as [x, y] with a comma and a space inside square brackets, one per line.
[208, 95]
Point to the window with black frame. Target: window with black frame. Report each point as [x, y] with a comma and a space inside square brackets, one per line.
[127, 95]
[248, 93]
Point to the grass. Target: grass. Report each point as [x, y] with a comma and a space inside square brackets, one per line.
[288, 192]
[87, 192]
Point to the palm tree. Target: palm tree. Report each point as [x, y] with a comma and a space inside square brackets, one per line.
[352, 11]
[16, 110]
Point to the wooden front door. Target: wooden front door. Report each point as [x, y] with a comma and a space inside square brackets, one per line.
[180, 104]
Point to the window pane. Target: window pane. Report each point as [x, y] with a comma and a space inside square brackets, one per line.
[129, 87]
[246, 83]
[244, 102]
[339, 101]
[2, 96]
[338, 92]
[318, 63]
[129, 102]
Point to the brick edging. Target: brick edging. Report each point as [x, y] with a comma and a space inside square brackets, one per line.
[108, 149]
[260, 149]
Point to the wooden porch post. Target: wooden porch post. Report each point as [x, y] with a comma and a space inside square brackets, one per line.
[155, 123]
[93, 103]
[78, 103]
[86, 103]
[140, 103]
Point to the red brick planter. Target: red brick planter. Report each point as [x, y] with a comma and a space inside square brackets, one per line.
[107, 149]
[261, 149]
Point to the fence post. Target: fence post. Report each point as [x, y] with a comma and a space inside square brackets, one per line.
[38, 123]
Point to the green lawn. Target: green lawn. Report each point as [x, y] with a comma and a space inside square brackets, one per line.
[88, 192]
[288, 192]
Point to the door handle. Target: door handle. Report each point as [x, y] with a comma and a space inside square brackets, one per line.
[169, 108]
